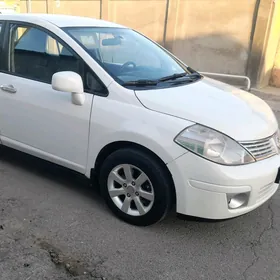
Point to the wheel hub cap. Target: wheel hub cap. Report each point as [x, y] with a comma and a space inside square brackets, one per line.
[131, 190]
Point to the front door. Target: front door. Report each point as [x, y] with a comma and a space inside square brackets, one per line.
[33, 117]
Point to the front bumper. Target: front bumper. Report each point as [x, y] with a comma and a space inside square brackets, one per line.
[202, 187]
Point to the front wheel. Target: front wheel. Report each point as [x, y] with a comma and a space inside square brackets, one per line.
[135, 187]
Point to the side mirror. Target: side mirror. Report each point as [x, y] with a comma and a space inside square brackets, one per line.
[71, 82]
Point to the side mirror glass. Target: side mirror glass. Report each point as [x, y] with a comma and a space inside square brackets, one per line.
[68, 81]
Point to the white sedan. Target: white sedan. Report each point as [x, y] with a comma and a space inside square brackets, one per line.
[105, 101]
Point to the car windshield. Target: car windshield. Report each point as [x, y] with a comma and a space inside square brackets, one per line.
[129, 57]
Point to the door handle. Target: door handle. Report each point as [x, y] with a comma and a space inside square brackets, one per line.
[8, 88]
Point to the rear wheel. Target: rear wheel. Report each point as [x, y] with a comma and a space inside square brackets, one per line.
[135, 187]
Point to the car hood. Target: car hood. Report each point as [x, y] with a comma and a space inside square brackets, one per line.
[234, 112]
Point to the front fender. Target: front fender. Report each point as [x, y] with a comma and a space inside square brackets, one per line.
[136, 124]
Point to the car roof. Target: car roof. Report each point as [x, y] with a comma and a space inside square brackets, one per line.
[61, 20]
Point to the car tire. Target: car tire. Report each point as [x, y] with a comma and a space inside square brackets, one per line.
[148, 200]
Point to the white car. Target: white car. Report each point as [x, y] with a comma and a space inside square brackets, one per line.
[105, 101]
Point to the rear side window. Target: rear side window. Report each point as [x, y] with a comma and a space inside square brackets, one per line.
[0, 27]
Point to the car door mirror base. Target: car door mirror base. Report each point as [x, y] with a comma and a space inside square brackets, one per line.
[78, 98]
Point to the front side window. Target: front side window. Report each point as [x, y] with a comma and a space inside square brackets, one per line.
[126, 55]
[36, 55]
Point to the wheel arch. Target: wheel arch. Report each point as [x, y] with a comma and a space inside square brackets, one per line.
[114, 146]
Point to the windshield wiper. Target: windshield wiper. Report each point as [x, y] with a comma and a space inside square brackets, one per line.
[141, 83]
[172, 77]
[188, 77]
[194, 76]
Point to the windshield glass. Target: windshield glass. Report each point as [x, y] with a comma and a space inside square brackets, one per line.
[127, 55]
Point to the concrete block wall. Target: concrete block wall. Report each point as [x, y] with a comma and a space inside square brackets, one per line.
[209, 35]
[212, 36]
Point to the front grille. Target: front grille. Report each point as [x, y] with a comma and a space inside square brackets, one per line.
[261, 149]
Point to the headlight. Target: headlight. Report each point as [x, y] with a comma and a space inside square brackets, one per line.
[213, 145]
[277, 139]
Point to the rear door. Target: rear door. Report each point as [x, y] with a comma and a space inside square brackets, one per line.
[33, 117]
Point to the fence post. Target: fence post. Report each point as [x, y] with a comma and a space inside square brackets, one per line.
[165, 22]
[259, 39]
[28, 6]
[170, 23]
[47, 6]
[104, 9]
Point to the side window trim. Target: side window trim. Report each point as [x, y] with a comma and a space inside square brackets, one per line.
[2, 45]
[1, 37]
[82, 64]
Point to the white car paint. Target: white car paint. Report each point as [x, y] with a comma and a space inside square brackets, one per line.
[59, 129]
[232, 111]
[44, 122]
[207, 184]
[136, 124]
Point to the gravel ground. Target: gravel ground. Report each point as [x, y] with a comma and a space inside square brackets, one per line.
[54, 225]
